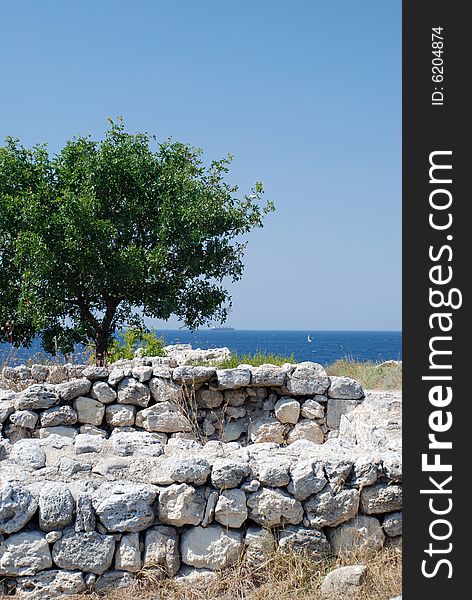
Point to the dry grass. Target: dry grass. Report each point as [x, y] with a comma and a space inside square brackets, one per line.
[283, 577]
[371, 375]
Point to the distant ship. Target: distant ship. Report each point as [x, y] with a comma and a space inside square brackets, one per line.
[215, 328]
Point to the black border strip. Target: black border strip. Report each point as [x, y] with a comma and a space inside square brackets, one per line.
[442, 127]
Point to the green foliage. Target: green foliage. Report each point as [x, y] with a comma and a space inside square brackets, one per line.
[134, 338]
[151, 344]
[256, 360]
[91, 234]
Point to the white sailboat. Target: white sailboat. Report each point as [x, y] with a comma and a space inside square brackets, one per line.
[309, 339]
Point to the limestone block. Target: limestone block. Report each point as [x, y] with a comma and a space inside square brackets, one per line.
[213, 547]
[270, 507]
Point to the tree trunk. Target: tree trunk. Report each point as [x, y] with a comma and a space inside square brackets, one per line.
[101, 348]
[103, 333]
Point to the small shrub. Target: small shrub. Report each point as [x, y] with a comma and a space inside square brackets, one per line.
[256, 360]
[151, 344]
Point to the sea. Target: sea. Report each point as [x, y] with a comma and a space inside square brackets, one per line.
[324, 347]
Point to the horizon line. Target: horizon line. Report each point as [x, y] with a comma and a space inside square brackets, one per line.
[287, 329]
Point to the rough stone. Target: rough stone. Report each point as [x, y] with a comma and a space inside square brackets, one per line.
[181, 504]
[301, 539]
[39, 372]
[7, 404]
[337, 471]
[93, 373]
[231, 510]
[142, 374]
[123, 506]
[210, 509]
[233, 378]
[127, 443]
[70, 390]
[183, 469]
[228, 473]
[345, 388]
[115, 376]
[128, 553]
[329, 509]
[113, 580]
[381, 498]
[208, 428]
[24, 553]
[164, 417]
[270, 507]
[93, 430]
[191, 578]
[131, 391]
[90, 580]
[87, 442]
[50, 584]
[343, 582]
[376, 422]
[271, 471]
[267, 375]
[306, 429]
[24, 418]
[58, 415]
[17, 506]
[164, 390]
[213, 547]
[267, 429]
[234, 430]
[37, 396]
[53, 536]
[235, 397]
[89, 410]
[392, 467]
[58, 374]
[209, 398]
[120, 415]
[307, 379]
[251, 486]
[364, 472]
[90, 552]
[287, 410]
[392, 524]
[28, 452]
[307, 478]
[260, 544]
[338, 407]
[56, 506]
[189, 375]
[360, 533]
[67, 433]
[235, 412]
[85, 515]
[311, 409]
[102, 392]
[161, 550]
[160, 370]
[112, 467]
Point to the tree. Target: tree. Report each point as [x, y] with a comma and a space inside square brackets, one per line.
[104, 228]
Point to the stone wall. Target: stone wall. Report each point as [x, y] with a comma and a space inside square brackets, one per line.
[246, 404]
[148, 466]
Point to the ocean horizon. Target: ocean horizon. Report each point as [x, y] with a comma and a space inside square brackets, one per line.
[325, 347]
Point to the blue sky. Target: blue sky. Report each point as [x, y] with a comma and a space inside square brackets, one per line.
[305, 94]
